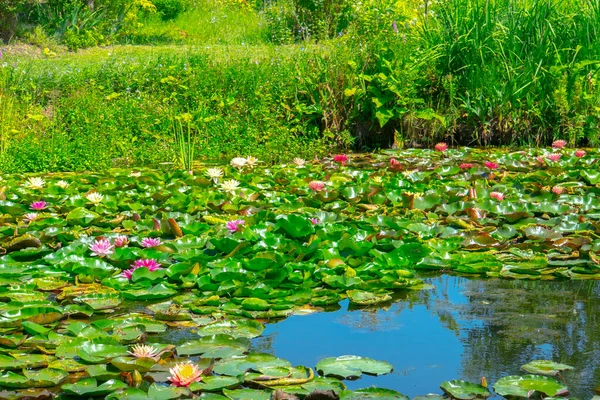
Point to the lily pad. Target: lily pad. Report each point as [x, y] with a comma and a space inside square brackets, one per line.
[463, 390]
[352, 367]
[545, 367]
[216, 346]
[520, 386]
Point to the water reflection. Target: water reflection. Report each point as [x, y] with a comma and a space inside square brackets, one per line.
[461, 329]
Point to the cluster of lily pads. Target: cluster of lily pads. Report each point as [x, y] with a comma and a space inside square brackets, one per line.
[98, 268]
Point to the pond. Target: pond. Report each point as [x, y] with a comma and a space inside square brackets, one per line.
[461, 329]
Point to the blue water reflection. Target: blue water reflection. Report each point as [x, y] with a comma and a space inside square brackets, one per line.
[460, 329]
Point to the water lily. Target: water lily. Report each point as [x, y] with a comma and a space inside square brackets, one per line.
[121, 241]
[150, 242]
[238, 162]
[299, 162]
[491, 165]
[145, 351]
[62, 184]
[559, 144]
[149, 263]
[580, 153]
[314, 221]
[183, 374]
[557, 190]
[29, 217]
[442, 147]
[214, 173]
[234, 226]
[135, 174]
[128, 273]
[35, 183]
[497, 195]
[316, 186]
[465, 165]
[230, 186]
[540, 159]
[340, 159]
[251, 161]
[554, 157]
[101, 247]
[377, 179]
[95, 197]
[38, 205]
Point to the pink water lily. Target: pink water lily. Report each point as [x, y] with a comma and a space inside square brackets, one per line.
[38, 205]
[442, 147]
[150, 264]
[554, 157]
[497, 195]
[183, 374]
[314, 221]
[150, 242]
[580, 153]
[121, 241]
[491, 164]
[101, 248]
[559, 144]
[316, 186]
[340, 159]
[540, 159]
[465, 165]
[29, 217]
[557, 190]
[234, 226]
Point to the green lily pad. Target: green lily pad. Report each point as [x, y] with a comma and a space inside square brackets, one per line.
[246, 394]
[545, 367]
[372, 393]
[245, 328]
[46, 377]
[520, 386]
[463, 390]
[216, 346]
[90, 387]
[352, 367]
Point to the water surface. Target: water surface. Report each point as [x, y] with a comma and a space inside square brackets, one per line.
[463, 328]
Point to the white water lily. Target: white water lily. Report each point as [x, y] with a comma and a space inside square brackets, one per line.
[95, 197]
[299, 162]
[251, 161]
[214, 173]
[35, 183]
[230, 185]
[238, 162]
[62, 184]
[145, 351]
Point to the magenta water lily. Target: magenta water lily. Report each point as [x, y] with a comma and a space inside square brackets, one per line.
[101, 247]
[38, 205]
[235, 225]
[150, 242]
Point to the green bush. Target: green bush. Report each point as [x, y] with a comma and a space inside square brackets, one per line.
[169, 9]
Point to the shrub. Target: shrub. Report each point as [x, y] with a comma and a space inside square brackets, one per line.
[169, 9]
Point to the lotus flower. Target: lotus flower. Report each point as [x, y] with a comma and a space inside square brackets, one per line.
[145, 351]
[238, 162]
[314, 221]
[101, 248]
[150, 242]
[557, 190]
[149, 263]
[580, 153]
[554, 157]
[214, 173]
[441, 147]
[121, 241]
[251, 161]
[38, 205]
[491, 165]
[316, 186]
[35, 183]
[497, 195]
[183, 374]
[94, 197]
[299, 162]
[340, 159]
[29, 217]
[230, 186]
[465, 165]
[234, 226]
[62, 184]
[559, 144]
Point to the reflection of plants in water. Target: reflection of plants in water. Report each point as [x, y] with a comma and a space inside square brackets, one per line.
[525, 320]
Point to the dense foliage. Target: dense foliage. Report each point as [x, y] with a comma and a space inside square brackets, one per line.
[103, 276]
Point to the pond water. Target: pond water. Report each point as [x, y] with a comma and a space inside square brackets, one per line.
[461, 329]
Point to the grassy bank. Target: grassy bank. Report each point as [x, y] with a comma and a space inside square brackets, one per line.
[469, 72]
